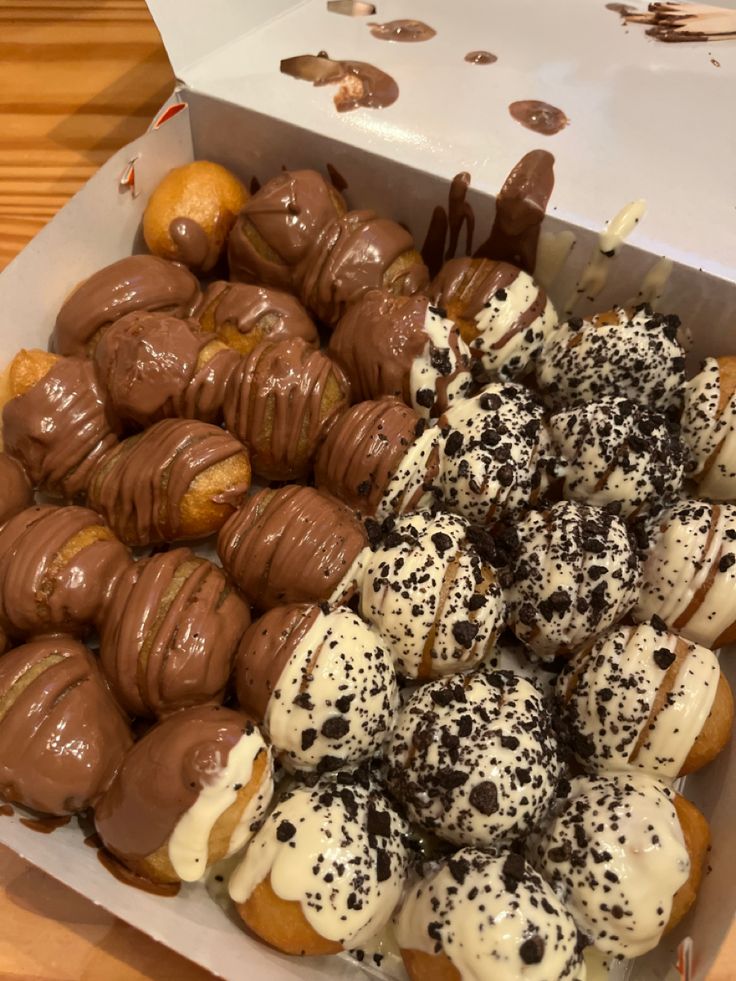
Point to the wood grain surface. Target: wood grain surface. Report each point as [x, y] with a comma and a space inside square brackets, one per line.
[78, 79]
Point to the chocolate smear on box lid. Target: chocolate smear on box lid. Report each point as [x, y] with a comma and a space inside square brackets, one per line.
[541, 117]
[520, 208]
[678, 22]
[362, 85]
[403, 30]
[481, 57]
[451, 221]
[351, 8]
[190, 240]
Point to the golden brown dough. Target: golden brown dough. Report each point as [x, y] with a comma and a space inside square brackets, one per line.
[429, 967]
[716, 732]
[697, 841]
[281, 923]
[190, 213]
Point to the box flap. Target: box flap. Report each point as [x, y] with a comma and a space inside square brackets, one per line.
[192, 31]
[647, 119]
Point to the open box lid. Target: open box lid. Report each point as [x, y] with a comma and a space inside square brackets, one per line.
[648, 119]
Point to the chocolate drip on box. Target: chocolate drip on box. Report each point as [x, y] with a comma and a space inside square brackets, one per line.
[163, 775]
[140, 485]
[351, 8]
[62, 737]
[541, 117]
[403, 30]
[59, 428]
[291, 545]
[129, 878]
[520, 208]
[138, 282]
[481, 57]
[170, 633]
[41, 594]
[336, 178]
[190, 240]
[45, 825]
[458, 213]
[374, 89]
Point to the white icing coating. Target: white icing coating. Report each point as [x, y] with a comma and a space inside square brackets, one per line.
[434, 602]
[636, 356]
[618, 452]
[692, 554]
[410, 487]
[595, 275]
[474, 758]
[441, 374]
[493, 916]
[513, 326]
[655, 282]
[339, 850]
[552, 253]
[496, 453]
[188, 844]
[710, 436]
[337, 696]
[638, 699]
[616, 856]
[576, 573]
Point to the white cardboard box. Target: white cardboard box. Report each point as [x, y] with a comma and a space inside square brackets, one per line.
[647, 120]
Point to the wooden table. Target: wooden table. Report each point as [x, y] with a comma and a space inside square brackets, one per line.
[78, 79]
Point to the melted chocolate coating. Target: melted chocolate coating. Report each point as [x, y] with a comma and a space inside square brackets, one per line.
[170, 633]
[278, 225]
[191, 241]
[520, 208]
[139, 486]
[148, 364]
[353, 254]
[272, 314]
[16, 492]
[62, 737]
[275, 403]
[363, 450]
[163, 775]
[60, 428]
[292, 545]
[265, 651]
[137, 282]
[376, 342]
[408, 31]
[59, 566]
